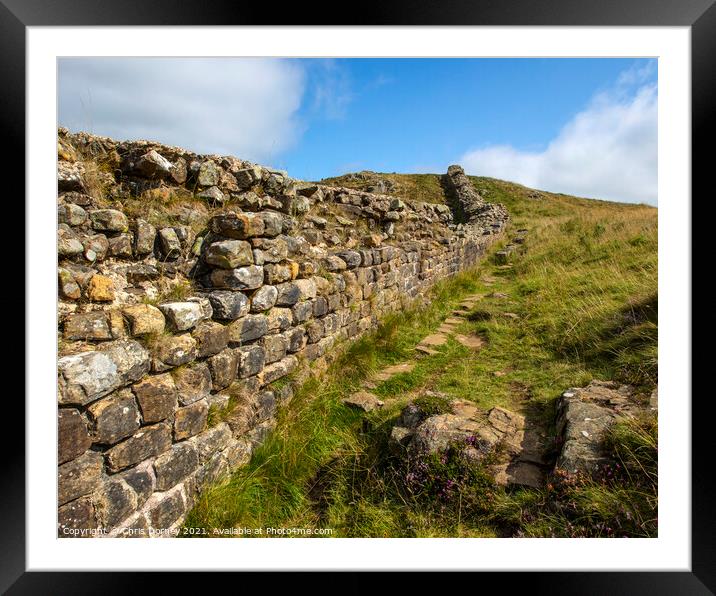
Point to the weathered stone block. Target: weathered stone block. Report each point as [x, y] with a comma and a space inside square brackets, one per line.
[334, 263]
[289, 293]
[275, 273]
[79, 477]
[247, 329]
[136, 274]
[95, 247]
[67, 286]
[275, 347]
[284, 394]
[144, 237]
[273, 223]
[247, 177]
[243, 278]
[251, 360]
[88, 376]
[320, 306]
[174, 350]
[211, 441]
[186, 315]
[90, 326]
[73, 436]
[190, 420]
[100, 289]
[164, 509]
[302, 312]
[141, 480]
[229, 254]
[143, 319]
[68, 245]
[113, 501]
[121, 246]
[228, 305]
[279, 319]
[264, 298]
[114, 417]
[193, 382]
[212, 195]
[211, 338]
[351, 258]
[307, 288]
[214, 469]
[266, 405]
[157, 397]
[314, 330]
[109, 220]
[238, 453]
[169, 243]
[148, 441]
[174, 465]
[277, 370]
[76, 516]
[239, 226]
[208, 174]
[71, 214]
[296, 339]
[223, 368]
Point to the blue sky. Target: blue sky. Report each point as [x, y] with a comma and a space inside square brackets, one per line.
[581, 126]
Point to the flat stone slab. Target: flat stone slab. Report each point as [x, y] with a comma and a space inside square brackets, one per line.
[362, 400]
[584, 415]
[396, 369]
[519, 473]
[436, 339]
[460, 313]
[474, 342]
[445, 328]
[453, 321]
[425, 350]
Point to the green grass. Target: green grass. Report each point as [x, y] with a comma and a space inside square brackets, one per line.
[585, 294]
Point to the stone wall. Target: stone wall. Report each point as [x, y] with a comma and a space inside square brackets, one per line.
[191, 288]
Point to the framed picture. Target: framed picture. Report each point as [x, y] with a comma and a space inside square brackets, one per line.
[352, 282]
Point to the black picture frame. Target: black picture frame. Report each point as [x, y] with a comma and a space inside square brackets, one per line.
[700, 15]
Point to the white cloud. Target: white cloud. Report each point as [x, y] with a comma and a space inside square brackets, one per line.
[332, 89]
[608, 151]
[246, 107]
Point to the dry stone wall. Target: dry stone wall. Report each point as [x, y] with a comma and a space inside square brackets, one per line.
[194, 292]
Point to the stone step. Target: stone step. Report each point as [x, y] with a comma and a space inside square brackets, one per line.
[393, 370]
[436, 339]
[425, 350]
[453, 321]
[363, 400]
[474, 342]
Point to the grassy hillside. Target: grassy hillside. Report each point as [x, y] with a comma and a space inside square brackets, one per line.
[580, 303]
